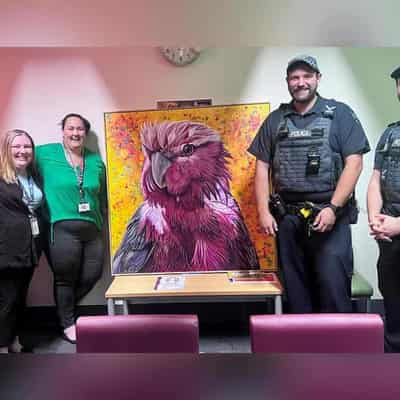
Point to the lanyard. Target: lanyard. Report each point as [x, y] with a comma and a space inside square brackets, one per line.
[79, 175]
[28, 198]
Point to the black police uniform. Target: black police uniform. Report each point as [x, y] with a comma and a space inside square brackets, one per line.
[316, 267]
[387, 161]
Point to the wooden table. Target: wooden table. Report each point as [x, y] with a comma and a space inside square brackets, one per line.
[204, 287]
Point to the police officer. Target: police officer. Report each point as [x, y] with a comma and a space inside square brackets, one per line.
[384, 222]
[313, 148]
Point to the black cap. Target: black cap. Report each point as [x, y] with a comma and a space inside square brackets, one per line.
[303, 59]
[396, 73]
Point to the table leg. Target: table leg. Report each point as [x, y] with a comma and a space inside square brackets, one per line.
[110, 307]
[368, 305]
[125, 307]
[278, 304]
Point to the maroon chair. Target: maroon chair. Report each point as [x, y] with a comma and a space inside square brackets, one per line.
[138, 334]
[316, 333]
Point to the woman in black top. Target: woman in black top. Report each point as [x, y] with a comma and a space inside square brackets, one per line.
[20, 199]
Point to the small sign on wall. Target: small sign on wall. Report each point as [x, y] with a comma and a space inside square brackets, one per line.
[170, 104]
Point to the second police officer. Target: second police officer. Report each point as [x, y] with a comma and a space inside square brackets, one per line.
[384, 221]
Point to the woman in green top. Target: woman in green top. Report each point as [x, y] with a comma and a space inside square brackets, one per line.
[74, 187]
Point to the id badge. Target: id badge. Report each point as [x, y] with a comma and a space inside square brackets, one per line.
[34, 226]
[83, 207]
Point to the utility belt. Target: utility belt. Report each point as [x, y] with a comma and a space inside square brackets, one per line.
[305, 209]
[308, 210]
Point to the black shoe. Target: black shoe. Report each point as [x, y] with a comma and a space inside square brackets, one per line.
[27, 349]
[11, 351]
[67, 339]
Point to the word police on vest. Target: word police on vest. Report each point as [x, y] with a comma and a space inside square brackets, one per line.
[300, 133]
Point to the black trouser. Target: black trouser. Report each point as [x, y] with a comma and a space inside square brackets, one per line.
[389, 285]
[317, 269]
[14, 285]
[77, 255]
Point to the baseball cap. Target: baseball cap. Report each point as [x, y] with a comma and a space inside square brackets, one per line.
[396, 73]
[303, 59]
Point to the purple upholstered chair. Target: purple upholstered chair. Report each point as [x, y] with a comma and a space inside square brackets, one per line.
[316, 333]
[138, 334]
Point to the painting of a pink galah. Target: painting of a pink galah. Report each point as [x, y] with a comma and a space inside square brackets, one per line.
[189, 220]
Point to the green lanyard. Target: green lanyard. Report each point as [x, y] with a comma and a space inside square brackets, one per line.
[79, 175]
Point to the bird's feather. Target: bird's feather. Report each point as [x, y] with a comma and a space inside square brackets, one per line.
[135, 250]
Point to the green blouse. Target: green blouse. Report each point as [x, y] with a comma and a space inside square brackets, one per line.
[61, 189]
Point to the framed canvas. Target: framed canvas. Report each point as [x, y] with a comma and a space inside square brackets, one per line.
[181, 190]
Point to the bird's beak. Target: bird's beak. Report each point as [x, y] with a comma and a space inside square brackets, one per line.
[159, 165]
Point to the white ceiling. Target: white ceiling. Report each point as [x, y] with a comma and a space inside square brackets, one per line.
[207, 23]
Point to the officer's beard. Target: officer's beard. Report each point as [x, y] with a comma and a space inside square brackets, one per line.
[304, 100]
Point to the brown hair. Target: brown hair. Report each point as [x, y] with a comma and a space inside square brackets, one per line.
[86, 123]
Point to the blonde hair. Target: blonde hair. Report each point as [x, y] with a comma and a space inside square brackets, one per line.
[7, 168]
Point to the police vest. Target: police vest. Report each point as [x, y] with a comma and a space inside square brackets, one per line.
[390, 172]
[303, 159]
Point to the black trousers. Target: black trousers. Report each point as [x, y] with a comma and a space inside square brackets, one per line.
[316, 269]
[389, 285]
[77, 256]
[14, 285]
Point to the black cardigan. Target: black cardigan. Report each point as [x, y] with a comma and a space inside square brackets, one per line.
[16, 245]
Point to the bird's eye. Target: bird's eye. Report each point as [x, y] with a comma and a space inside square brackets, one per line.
[187, 149]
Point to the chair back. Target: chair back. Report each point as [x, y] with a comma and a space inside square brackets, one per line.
[138, 334]
[317, 333]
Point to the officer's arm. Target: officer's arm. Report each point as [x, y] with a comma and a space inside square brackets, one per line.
[374, 196]
[267, 221]
[348, 179]
[262, 186]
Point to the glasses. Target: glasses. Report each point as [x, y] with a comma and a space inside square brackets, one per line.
[21, 146]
